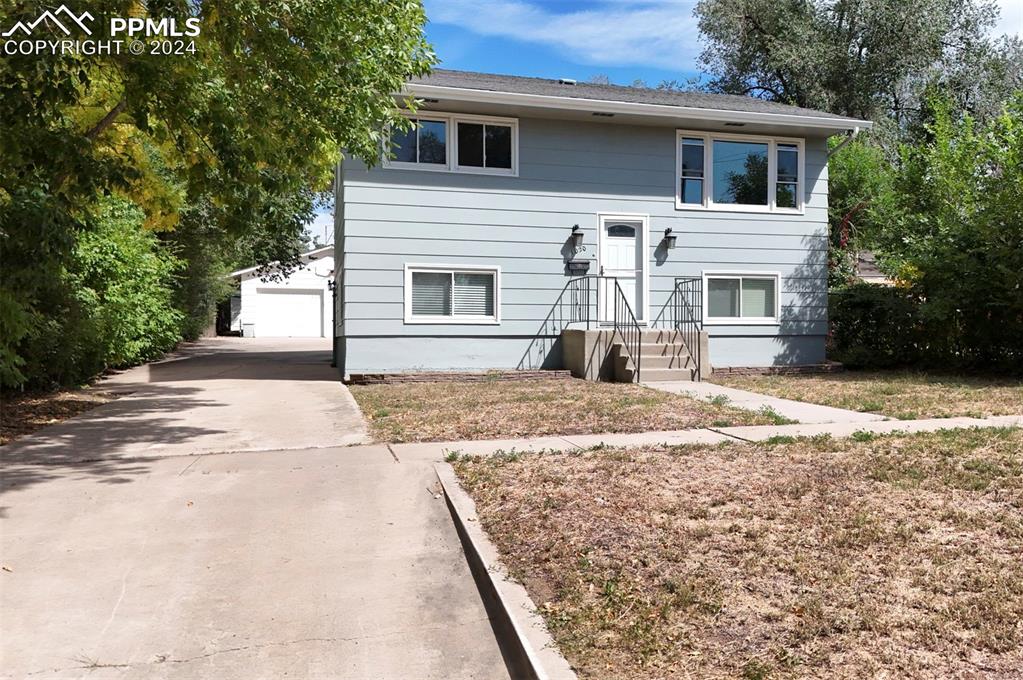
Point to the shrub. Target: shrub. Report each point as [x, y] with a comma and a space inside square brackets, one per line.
[874, 326]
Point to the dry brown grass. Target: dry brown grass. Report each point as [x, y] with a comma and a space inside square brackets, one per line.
[895, 557]
[446, 411]
[906, 395]
[25, 413]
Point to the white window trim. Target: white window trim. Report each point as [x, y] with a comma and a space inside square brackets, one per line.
[453, 320]
[741, 320]
[451, 147]
[708, 172]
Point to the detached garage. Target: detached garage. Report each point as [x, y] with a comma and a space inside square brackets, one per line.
[296, 307]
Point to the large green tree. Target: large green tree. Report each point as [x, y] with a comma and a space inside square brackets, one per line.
[243, 128]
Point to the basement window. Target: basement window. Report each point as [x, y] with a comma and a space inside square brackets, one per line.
[441, 294]
[740, 298]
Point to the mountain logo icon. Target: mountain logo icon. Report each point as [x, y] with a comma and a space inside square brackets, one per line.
[62, 17]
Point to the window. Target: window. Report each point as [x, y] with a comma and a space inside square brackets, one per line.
[478, 144]
[717, 171]
[741, 298]
[441, 294]
[740, 172]
[425, 143]
[483, 145]
[692, 158]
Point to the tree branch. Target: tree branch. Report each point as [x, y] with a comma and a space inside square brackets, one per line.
[106, 121]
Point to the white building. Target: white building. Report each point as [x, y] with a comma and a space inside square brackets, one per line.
[298, 306]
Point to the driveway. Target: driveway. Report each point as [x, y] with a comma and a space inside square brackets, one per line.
[133, 548]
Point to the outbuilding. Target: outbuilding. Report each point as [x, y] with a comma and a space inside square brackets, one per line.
[298, 306]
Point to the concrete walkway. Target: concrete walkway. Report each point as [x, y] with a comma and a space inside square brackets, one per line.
[432, 451]
[753, 401]
[124, 560]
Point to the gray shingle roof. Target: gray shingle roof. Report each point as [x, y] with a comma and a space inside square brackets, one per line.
[612, 93]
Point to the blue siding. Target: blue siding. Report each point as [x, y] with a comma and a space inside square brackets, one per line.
[569, 172]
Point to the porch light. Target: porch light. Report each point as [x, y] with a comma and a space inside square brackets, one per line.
[669, 239]
[577, 238]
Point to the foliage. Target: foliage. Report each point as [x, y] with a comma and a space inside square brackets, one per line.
[858, 58]
[110, 307]
[241, 132]
[875, 326]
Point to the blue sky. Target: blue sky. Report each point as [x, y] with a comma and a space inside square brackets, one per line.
[651, 40]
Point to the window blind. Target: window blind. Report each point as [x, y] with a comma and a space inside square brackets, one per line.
[431, 293]
[474, 294]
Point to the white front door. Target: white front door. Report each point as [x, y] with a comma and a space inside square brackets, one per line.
[622, 259]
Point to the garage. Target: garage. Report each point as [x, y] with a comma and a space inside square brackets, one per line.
[284, 313]
[294, 306]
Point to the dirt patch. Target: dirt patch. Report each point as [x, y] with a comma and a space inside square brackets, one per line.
[884, 557]
[533, 408]
[24, 413]
[905, 395]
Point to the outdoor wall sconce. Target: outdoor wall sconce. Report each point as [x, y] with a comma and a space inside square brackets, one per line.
[669, 239]
[577, 238]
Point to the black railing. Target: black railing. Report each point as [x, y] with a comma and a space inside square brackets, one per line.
[628, 328]
[579, 303]
[685, 309]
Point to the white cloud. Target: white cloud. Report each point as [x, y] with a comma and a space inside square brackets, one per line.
[655, 34]
[1011, 20]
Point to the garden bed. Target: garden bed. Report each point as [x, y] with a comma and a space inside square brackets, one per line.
[24, 413]
[906, 395]
[449, 411]
[866, 557]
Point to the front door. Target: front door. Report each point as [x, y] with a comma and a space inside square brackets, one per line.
[622, 260]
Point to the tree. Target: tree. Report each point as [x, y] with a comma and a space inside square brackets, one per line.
[860, 58]
[246, 127]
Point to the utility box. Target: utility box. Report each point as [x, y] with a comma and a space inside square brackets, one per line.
[248, 330]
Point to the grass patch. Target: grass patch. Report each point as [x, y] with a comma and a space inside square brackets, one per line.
[24, 413]
[905, 395]
[894, 556]
[450, 411]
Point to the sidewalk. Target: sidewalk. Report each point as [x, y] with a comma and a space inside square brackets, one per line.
[793, 410]
[753, 433]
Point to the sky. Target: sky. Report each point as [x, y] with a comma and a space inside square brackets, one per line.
[624, 40]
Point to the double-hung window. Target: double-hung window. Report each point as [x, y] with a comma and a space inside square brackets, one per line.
[456, 143]
[740, 298]
[716, 171]
[442, 294]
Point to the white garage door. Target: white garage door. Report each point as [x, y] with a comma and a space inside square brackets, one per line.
[283, 313]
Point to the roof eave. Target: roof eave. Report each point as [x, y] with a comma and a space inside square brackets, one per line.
[634, 108]
[249, 270]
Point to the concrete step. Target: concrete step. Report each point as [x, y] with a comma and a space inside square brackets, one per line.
[651, 349]
[647, 374]
[657, 361]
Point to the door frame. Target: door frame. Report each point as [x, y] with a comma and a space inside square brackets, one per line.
[643, 238]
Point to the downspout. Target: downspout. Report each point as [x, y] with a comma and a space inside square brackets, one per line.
[855, 132]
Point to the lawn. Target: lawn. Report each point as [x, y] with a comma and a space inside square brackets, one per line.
[447, 411]
[894, 557]
[905, 395]
[25, 413]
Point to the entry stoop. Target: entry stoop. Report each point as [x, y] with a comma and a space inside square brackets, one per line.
[663, 357]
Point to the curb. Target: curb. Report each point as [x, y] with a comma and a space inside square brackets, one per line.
[527, 647]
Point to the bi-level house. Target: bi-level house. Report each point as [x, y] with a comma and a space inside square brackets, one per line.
[621, 232]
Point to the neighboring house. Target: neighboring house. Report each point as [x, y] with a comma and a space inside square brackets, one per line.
[868, 271]
[706, 214]
[297, 306]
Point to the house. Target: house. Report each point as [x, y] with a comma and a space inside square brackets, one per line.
[868, 271]
[624, 233]
[299, 305]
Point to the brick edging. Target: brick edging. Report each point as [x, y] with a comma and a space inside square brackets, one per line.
[802, 369]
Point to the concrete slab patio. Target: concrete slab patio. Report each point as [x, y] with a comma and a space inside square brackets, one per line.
[127, 560]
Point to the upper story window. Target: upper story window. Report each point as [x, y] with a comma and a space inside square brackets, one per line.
[717, 171]
[457, 143]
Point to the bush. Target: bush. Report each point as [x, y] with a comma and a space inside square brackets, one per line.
[111, 307]
[874, 326]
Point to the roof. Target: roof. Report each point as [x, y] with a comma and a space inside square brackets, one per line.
[634, 99]
[309, 254]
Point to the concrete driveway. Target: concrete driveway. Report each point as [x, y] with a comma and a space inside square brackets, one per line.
[132, 548]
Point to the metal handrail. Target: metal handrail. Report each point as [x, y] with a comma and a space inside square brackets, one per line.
[628, 328]
[686, 306]
[574, 305]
